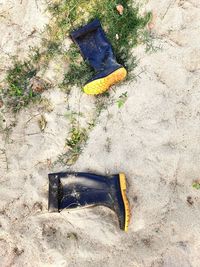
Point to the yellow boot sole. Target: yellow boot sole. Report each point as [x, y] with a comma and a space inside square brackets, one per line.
[122, 180]
[101, 85]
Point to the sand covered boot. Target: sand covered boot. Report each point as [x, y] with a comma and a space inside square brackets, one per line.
[75, 190]
[96, 49]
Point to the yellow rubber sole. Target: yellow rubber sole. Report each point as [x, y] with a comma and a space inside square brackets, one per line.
[122, 180]
[101, 85]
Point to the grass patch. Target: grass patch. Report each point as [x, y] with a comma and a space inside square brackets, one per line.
[67, 15]
[19, 92]
[149, 40]
[196, 185]
[23, 86]
[122, 99]
[75, 141]
[77, 136]
[122, 31]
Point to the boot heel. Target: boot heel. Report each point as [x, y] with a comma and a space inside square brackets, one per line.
[117, 76]
[122, 180]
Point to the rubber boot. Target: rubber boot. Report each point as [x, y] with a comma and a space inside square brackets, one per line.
[73, 190]
[96, 49]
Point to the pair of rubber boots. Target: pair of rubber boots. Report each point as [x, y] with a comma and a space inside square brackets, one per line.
[97, 51]
[73, 190]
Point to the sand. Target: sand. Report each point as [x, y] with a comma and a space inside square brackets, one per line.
[154, 138]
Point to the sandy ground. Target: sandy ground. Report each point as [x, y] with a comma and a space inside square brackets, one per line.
[154, 138]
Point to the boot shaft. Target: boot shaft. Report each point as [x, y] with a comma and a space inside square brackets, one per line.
[95, 47]
[73, 190]
[80, 189]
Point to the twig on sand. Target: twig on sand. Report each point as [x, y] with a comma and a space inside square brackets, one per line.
[32, 118]
[170, 4]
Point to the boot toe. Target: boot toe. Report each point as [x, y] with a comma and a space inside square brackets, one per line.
[101, 85]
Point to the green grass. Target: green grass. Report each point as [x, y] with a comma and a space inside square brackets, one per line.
[149, 40]
[68, 15]
[125, 27]
[77, 136]
[196, 185]
[122, 99]
[19, 92]
[74, 142]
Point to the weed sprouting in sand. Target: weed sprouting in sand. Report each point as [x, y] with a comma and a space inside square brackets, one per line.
[149, 40]
[75, 141]
[76, 137]
[19, 92]
[196, 185]
[122, 99]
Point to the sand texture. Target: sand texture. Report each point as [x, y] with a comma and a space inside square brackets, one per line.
[154, 138]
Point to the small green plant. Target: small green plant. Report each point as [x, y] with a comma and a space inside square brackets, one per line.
[75, 142]
[149, 40]
[77, 136]
[196, 185]
[122, 99]
[19, 92]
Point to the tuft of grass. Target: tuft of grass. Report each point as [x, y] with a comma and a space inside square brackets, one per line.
[122, 99]
[19, 93]
[149, 40]
[76, 138]
[75, 142]
[196, 185]
[122, 30]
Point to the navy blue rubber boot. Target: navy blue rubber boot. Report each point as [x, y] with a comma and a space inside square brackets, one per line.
[97, 50]
[73, 190]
